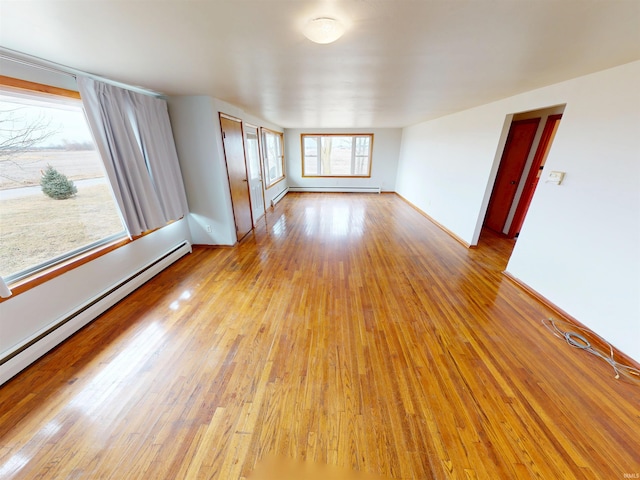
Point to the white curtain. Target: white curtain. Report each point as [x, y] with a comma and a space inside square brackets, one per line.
[133, 150]
[4, 290]
[159, 149]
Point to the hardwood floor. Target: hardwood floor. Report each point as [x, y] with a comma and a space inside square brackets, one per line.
[347, 330]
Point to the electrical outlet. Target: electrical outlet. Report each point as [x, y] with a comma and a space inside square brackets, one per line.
[208, 228]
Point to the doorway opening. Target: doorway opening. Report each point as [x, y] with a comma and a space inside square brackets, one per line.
[529, 138]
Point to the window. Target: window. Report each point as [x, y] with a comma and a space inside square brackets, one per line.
[45, 145]
[273, 156]
[339, 155]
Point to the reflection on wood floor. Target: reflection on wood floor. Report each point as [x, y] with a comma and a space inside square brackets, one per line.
[347, 330]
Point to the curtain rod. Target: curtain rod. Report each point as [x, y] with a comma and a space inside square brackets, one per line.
[36, 62]
[36, 65]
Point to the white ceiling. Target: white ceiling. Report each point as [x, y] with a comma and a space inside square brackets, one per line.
[400, 61]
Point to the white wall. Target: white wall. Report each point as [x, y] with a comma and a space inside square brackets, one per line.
[445, 165]
[196, 129]
[384, 161]
[579, 245]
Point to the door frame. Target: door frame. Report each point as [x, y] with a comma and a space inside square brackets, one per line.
[533, 175]
[548, 110]
[506, 162]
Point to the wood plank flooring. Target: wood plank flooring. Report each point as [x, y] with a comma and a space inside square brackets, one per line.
[347, 330]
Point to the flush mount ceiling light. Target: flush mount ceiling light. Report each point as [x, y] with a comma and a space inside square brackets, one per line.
[323, 30]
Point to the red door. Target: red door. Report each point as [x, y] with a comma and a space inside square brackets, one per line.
[514, 157]
[534, 173]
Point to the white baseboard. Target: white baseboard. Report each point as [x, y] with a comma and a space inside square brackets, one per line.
[337, 189]
[279, 196]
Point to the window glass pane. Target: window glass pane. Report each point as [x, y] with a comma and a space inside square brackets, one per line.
[310, 157]
[46, 146]
[362, 145]
[339, 161]
[311, 146]
[252, 154]
[336, 155]
[273, 156]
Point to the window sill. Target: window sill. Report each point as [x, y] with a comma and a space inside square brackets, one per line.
[278, 180]
[54, 271]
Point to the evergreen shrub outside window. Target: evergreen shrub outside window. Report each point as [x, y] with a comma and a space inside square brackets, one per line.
[56, 185]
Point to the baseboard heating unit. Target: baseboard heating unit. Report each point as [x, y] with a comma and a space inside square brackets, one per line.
[337, 189]
[279, 196]
[28, 351]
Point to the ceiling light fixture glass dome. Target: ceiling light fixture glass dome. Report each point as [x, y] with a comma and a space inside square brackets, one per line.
[323, 30]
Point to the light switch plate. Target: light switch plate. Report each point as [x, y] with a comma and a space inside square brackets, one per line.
[555, 177]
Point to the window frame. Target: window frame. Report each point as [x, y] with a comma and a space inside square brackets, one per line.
[268, 182]
[45, 271]
[354, 155]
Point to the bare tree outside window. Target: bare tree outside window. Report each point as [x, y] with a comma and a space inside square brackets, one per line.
[336, 155]
[325, 155]
[19, 134]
